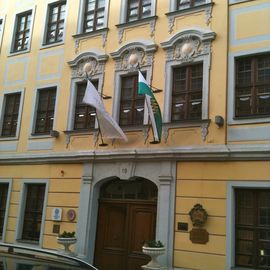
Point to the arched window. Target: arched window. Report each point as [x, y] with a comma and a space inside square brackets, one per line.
[139, 189]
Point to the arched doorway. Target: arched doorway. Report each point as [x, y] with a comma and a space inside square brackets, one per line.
[126, 219]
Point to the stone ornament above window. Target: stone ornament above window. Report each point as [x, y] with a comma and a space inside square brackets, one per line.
[96, 63]
[144, 51]
[139, 52]
[188, 44]
[187, 48]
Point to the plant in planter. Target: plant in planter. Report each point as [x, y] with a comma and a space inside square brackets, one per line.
[66, 239]
[67, 235]
[153, 244]
[154, 249]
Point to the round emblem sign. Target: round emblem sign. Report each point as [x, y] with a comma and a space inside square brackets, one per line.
[71, 214]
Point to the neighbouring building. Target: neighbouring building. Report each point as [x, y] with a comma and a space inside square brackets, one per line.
[204, 190]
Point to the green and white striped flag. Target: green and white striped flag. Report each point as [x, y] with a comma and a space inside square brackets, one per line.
[152, 106]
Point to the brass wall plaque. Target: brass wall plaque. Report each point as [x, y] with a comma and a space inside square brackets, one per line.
[199, 236]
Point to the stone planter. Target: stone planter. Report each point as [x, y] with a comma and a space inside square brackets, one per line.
[66, 242]
[153, 252]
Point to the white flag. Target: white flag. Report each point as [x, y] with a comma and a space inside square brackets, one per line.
[108, 126]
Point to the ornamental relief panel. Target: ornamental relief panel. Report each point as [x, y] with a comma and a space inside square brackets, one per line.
[78, 70]
[189, 44]
[124, 60]
[145, 59]
[96, 65]
[187, 49]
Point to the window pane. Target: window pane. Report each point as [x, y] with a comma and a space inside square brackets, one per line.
[183, 4]
[22, 31]
[10, 119]
[3, 206]
[55, 26]
[85, 115]
[252, 92]
[244, 71]
[1, 26]
[33, 211]
[131, 104]
[91, 5]
[199, 2]
[252, 223]
[94, 15]
[45, 111]
[101, 3]
[138, 9]
[187, 93]
[139, 190]
[146, 11]
[263, 72]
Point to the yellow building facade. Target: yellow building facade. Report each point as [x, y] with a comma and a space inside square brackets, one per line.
[208, 63]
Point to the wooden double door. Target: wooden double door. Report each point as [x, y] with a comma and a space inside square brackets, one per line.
[122, 228]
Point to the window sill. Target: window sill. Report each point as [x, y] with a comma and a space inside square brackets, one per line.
[92, 33]
[50, 45]
[242, 268]
[187, 123]
[149, 20]
[31, 242]
[15, 53]
[9, 138]
[207, 8]
[39, 136]
[249, 120]
[137, 22]
[28, 243]
[80, 132]
[233, 2]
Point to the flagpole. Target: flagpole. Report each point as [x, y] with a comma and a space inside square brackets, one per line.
[87, 68]
[133, 61]
[151, 126]
[100, 133]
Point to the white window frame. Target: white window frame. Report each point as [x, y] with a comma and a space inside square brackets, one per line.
[205, 37]
[231, 2]
[81, 17]
[72, 102]
[9, 182]
[2, 112]
[231, 88]
[46, 7]
[230, 220]
[98, 60]
[15, 21]
[34, 111]
[21, 212]
[3, 19]
[174, 2]
[122, 68]
[123, 11]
